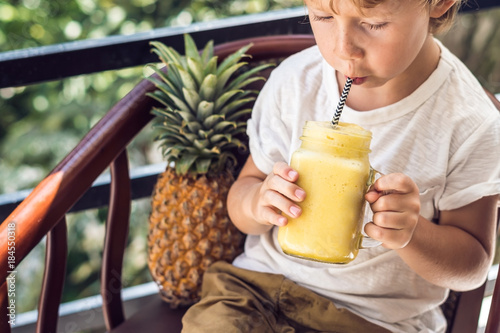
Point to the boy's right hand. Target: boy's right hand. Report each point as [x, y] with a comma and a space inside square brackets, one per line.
[279, 193]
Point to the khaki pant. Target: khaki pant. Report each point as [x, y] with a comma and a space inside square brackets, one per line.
[240, 301]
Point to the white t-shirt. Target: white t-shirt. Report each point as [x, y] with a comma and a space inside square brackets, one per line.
[445, 136]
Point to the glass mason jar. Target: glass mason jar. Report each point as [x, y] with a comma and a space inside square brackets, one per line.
[334, 170]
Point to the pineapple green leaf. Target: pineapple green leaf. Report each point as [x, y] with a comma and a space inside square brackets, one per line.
[168, 128]
[225, 97]
[238, 143]
[184, 163]
[221, 126]
[239, 114]
[207, 87]
[239, 130]
[191, 48]
[190, 137]
[181, 138]
[191, 97]
[240, 125]
[178, 102]
[235, 105]
[171, 153]
[234, 144]
[208, 52]
[241, 81]
[185, 115]
[206, 133]
[243, 94]
[174, 77]
[205, 109]
[232, 59]
[245, 82]
[224, 76]
[195, 69]
[219, 137]
[163, 115]
[199, 152]
[215, 150]
[163, 85]
[170, 77]
[187, 80]
[167, 55]
[203, 165]
[167, 142]
[163, 52]
[193, 126]
[223, 160]
[160, 71]
[161, 97]
[210, 121]
[201, 144]
[204, 106]
[211, 66]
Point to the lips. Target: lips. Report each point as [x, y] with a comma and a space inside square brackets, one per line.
[358, 80]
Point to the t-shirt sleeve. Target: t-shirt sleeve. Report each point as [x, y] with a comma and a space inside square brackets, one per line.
[269, 139]
[474, 169]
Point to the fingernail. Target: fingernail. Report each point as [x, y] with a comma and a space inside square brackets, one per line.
[300, 194]
[292, 174]
[282, 221]
[295, 211]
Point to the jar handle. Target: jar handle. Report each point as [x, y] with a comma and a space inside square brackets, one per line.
[366, 241]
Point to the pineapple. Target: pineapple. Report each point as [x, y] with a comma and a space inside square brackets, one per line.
[201, 125]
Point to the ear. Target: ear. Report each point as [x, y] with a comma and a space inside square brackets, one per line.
[441, 8]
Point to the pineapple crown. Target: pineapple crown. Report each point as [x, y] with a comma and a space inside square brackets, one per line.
[204, 106]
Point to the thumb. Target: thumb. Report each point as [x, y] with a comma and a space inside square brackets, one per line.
[372, 195]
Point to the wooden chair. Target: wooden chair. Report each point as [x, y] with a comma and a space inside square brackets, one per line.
[43, 213]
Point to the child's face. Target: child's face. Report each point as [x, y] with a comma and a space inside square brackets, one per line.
[373, 45]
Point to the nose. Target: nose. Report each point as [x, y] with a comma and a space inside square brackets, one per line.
[347, 45]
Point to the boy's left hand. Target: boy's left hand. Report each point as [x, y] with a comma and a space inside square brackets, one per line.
[395, 202]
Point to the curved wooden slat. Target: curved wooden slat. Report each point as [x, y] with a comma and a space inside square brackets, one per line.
[115, 242]
[4, 303]
[53, 278]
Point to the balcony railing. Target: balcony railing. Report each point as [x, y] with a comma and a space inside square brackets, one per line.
[56, 62]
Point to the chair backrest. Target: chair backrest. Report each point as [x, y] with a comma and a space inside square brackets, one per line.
[43, 211]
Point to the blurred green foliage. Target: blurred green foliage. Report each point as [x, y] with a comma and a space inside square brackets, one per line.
[40, 124]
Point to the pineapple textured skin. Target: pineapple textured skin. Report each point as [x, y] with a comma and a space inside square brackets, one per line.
[189, 230]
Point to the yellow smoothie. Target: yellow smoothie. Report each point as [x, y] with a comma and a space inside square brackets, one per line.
[334, 170]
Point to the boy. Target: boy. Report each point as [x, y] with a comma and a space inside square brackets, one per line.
[435, 139]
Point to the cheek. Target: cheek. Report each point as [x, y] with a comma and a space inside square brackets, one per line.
[325, 41]
[388, 59]
[397, 55]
